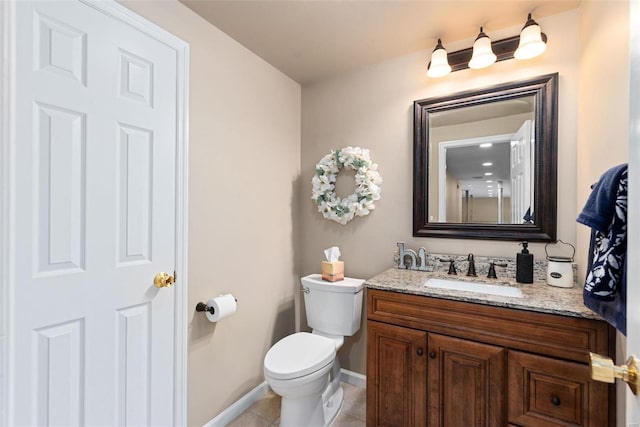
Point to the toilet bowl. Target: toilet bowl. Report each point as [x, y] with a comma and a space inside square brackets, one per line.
[297, 368]
[303, 368]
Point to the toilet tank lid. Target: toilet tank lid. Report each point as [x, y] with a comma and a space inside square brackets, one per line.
[348, 285]
[298, 355]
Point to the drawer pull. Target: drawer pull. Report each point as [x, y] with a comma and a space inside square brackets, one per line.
[555, 400]
[432, 355]
[419, 352]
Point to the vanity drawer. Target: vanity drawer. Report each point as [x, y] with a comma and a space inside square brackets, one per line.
[550, 392]
[552, 335]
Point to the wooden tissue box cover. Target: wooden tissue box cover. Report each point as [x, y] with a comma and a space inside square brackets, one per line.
[332, 271]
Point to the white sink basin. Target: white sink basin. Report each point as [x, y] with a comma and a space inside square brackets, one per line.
[482, 288]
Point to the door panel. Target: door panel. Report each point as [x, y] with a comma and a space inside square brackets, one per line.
[95, 202]
[396, 375]
[59, 206]
[522, 180]
[466, 383]
[59, 370]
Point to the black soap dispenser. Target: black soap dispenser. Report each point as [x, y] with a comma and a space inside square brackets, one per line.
[524, 265]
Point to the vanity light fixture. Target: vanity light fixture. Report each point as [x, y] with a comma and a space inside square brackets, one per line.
[439, 65]
[530, 43]
[483, 55]
[487, 164]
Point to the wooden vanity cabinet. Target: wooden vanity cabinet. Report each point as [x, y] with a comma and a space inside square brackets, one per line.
[396, 363]
[442, 363]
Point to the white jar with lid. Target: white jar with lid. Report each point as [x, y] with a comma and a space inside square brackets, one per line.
[560, 269]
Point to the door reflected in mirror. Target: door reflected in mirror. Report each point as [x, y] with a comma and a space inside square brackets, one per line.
[481, 163]
[485, 162]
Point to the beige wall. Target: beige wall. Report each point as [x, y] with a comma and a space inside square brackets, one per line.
[453, 199]
[372, 107]
[603, 107]
[603, 116]
[244, 166]
[485, 209]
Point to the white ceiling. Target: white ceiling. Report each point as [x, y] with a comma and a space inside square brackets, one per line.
[309, 40]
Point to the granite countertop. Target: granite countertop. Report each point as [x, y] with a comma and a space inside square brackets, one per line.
[537, 296]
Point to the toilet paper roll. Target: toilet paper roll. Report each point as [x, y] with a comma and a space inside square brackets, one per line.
[223, 306]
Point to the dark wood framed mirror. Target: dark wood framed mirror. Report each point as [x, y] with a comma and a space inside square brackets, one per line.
[485, 162]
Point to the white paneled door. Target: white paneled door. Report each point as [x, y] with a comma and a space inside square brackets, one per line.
[522, 161]
[96, 212]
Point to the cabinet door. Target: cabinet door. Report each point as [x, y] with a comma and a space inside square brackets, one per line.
[545, 392]
[396, 376]
[466, 383]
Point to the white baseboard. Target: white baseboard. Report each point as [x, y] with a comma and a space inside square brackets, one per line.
[239, 406]
[353, 378]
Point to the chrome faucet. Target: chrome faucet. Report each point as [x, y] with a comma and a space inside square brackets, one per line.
[472, 267]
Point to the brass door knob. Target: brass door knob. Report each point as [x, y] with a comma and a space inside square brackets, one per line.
[603, 369]
[164, 280]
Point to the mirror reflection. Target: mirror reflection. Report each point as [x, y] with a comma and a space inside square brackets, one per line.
[485, 162]
[481, 163]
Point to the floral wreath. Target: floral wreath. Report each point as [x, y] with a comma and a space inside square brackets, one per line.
[367, 180]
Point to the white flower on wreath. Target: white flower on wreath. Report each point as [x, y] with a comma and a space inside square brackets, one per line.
[367, 179]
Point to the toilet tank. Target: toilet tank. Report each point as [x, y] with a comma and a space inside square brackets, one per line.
[333, 308]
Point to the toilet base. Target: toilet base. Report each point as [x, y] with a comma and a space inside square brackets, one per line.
[318, 410]
[333, 406]
[311, 411]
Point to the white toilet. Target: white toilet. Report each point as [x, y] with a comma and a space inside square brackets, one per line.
[303, 368]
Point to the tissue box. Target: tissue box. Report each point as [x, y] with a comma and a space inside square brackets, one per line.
[333, 271]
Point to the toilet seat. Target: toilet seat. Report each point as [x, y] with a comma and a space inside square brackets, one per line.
[298, 355]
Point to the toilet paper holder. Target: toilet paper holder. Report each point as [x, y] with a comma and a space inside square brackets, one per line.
[202, 307]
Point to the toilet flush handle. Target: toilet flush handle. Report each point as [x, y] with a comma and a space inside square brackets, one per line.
[305, 290]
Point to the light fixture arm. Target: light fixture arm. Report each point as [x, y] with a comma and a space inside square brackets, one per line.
[504, 49]
[529, 22]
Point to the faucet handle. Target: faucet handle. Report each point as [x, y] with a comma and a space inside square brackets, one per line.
[452, 265]
[492, 269]
[471, 271]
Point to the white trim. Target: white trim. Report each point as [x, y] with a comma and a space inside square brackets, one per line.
[127, 16]
[182, 236]
[239, 406]
[443, 146]
[7, 102]
[353, 378]
[7, 95]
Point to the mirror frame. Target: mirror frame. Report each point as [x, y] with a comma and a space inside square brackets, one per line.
[543, 229]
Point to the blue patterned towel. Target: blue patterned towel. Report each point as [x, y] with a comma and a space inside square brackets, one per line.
[606, 214]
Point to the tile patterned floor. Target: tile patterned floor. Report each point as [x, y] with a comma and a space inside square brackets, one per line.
[266, 412]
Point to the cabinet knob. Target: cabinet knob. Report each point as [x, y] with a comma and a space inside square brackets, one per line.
[419, 352]
[555, 400]
[432, 354]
